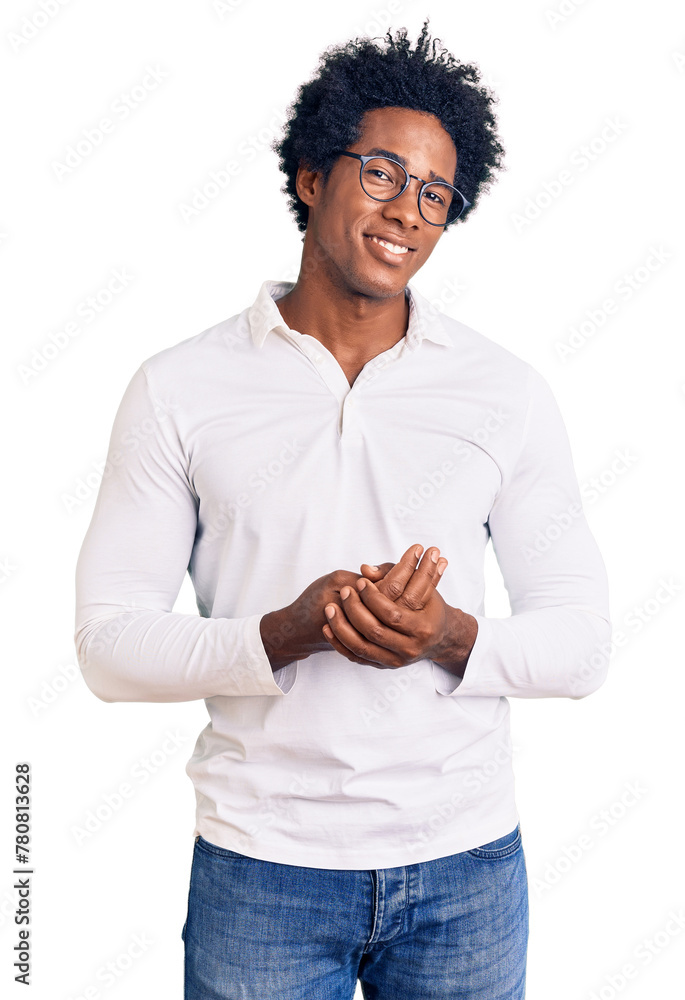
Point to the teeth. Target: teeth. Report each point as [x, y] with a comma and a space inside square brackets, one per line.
[392, 247]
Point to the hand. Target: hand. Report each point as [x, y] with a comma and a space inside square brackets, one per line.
[392, 578]
[294, 632]
[387, 631]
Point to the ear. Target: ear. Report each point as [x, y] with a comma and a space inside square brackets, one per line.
[307, 184]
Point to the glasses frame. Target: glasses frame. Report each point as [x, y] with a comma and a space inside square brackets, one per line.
[424, 184]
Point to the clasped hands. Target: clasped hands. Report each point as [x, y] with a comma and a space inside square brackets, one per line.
[394, 616]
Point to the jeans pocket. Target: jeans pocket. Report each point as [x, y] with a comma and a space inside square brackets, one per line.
[221, 852]
[502, 847]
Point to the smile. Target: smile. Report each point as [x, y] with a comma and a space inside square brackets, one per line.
[392, 247]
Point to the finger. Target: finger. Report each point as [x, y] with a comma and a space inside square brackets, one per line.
[356, 641]
[338, 646]
[396, 579]
[424, 580]
[376, 573]
[384, 611]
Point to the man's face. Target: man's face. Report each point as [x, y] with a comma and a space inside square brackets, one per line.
[342, 217]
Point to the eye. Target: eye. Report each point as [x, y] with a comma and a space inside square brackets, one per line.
[434, 198]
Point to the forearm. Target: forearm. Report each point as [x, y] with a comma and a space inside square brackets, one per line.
[287, 638]
[558, 652]
[157, 656]
[459, 639]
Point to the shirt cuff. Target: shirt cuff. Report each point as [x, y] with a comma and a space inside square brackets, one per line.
[447, 683]
[271, 682]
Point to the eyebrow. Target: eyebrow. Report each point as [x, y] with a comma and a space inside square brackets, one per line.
[377, 151]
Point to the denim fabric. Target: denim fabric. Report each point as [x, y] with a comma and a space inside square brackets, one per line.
[455, 928]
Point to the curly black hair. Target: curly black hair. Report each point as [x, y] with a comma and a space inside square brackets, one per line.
[358, 76]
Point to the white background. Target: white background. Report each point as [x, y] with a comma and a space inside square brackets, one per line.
[227, 80]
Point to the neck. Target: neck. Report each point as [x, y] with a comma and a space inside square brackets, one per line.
[353, 326]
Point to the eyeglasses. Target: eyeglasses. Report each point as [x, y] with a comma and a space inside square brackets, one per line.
[384, 179]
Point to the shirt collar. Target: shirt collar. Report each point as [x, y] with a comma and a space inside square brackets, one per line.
[425, 321]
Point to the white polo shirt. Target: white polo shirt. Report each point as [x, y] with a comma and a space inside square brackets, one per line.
[243, 456]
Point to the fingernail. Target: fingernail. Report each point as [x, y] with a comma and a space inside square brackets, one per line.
[417, 551]
[441, 568]
[374, 568]
[330, 610]
[434, 555]
[345, 593]
[361, 584]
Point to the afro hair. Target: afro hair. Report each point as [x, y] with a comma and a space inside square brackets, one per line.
[359, 76]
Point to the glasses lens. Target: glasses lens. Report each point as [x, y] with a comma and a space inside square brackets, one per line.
[441, 203]
[383, 179]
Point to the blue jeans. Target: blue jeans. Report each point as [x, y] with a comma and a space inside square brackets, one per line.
[455, 928]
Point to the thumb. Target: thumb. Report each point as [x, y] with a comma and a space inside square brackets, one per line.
[375, 573]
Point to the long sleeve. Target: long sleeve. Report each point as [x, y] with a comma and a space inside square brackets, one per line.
[129, 644]
[556, 643]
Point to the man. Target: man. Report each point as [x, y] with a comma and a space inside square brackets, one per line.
[355, 810]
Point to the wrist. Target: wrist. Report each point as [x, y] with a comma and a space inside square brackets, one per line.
[453, 651]
[277, 633]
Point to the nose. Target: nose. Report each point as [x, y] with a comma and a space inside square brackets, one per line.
[405, 208]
